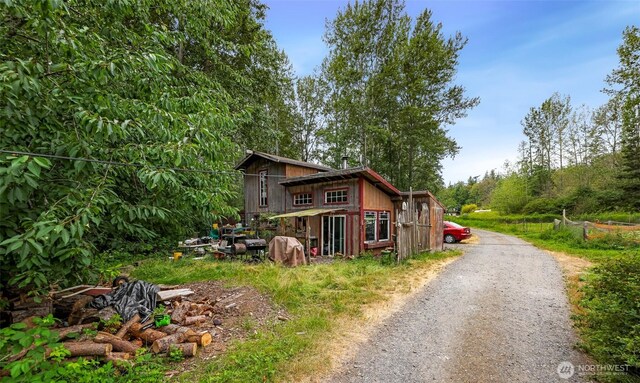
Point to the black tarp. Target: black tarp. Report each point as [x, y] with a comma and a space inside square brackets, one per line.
[130, 298]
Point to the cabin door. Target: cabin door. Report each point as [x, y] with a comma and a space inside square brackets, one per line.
[333, 234]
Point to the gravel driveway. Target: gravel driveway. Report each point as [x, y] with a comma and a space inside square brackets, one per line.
[497, 314]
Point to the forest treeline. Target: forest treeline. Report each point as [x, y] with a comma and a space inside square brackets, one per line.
[573, 157]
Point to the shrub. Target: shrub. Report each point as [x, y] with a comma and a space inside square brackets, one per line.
[611, 321]
[469, 208]
[541, 206]
[36, 366]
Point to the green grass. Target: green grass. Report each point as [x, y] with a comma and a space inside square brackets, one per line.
[317, 298]
[538, 230]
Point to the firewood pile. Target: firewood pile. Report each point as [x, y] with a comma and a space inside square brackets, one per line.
[191, 327]
[205, 318]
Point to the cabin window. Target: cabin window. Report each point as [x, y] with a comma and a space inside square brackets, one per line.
[335, 196]
[263, 187]
[370, 226]
[302, 199]
[383, 234]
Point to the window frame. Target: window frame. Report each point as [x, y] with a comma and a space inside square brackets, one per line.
[263, 186]
[379, 229]
[297, 195]
[375, 226]
[335, 190]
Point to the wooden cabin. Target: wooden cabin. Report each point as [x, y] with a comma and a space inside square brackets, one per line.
[346, 211]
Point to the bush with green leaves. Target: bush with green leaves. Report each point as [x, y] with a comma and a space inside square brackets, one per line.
[611, 321]
[34, 355]
[466, 209]
[144, 90]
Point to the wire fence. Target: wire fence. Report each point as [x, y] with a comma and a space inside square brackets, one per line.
[587, 230]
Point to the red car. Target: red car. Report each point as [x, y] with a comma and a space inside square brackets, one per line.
[455, 233]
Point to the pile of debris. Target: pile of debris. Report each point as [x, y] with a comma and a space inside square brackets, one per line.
[179, 324]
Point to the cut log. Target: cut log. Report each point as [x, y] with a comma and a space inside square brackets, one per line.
[125, 327]
[106, 313]
[119, 355]
[65, 331]
[119, 359]
[188, 349]
[85, 349]
[180, 312]
[117, 343]
[148, 335]
[77, 312]
[188, 321]
[20, 315]
[168, 295]
[174, 328]
[206, 308]
[203, 339]
[163, 344]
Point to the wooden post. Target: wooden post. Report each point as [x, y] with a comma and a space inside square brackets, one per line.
[307, 240]
[282, 229]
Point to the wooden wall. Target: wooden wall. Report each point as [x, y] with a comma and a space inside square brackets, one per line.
[275, 191]
[376, 199]
[317, 190]
[298, 171]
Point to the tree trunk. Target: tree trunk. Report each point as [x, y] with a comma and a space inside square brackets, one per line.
[117, 343]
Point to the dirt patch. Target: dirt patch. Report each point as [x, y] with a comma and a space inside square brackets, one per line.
[573, 268]
[471, 241]
[356, 331]
[240, 312]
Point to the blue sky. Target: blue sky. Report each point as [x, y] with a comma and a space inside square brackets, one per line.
[519, 53]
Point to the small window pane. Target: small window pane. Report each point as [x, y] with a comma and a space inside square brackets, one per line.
[302, 199]
[335, 196]
[263, 188]
[370, 226]
[384, 226]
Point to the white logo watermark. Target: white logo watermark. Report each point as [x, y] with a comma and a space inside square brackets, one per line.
[565, 370]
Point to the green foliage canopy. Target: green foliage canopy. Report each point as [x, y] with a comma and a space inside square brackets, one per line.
[163, 85]
[391, 92]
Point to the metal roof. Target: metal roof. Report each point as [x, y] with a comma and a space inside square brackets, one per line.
[306, 213]
[253, 155]
[343, 174]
